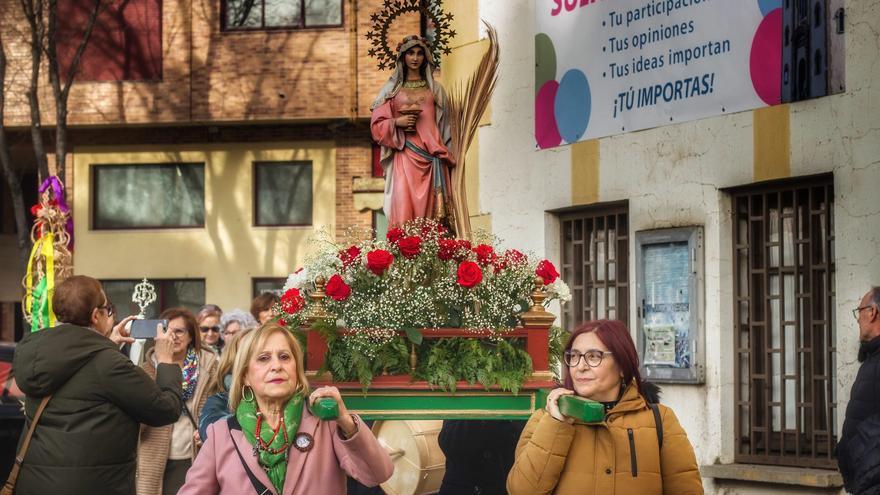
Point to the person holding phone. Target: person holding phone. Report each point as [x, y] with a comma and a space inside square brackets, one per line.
[167, 452]
[273, 443]
[639, 447]
[86, 439]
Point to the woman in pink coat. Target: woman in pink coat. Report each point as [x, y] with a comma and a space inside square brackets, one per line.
[273, 444]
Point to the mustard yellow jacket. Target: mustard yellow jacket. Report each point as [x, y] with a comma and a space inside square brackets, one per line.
[618, 456]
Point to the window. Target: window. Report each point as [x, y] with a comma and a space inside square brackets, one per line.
[669, 278]
[268, 14]
[268, 284]
[785, 390]
[282, 193]
[380, 224]
[189, 293]
[595, 257]
[125, 44]
[148, 196]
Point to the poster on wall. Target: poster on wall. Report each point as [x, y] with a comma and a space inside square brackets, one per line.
[605, 67]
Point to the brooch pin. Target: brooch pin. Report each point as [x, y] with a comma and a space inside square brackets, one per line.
[303, 442]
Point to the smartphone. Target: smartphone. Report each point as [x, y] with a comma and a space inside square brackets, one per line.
[146, 329]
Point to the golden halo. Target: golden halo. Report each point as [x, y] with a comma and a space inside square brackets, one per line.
[391, 10]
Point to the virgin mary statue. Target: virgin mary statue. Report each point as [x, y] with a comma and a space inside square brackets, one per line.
[410, 123]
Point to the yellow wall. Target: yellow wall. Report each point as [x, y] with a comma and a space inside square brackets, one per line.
[228, 251]
[457, 68]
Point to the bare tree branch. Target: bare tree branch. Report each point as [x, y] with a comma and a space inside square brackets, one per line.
[33, 12]
[61, 90]
[12, 180]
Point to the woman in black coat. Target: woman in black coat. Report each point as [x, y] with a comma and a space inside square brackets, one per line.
[86, 439]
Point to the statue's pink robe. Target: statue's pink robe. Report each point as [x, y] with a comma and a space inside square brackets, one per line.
[412, 193]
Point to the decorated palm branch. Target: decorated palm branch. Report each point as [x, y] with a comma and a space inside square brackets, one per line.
[467, 104]
[50, 260]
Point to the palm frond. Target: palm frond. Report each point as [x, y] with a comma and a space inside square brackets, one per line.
[467, 104]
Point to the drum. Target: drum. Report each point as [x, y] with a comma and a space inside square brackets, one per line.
[419, 464]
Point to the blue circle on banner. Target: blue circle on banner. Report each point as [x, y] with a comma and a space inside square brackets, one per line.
[768, 6]
[572, 105]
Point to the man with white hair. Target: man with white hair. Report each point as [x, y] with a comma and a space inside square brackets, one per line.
[858, 452]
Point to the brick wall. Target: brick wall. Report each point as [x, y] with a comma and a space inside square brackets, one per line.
[214, 76]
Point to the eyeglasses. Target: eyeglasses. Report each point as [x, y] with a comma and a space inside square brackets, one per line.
[177, 332]
[109, 308]
[215, 329]
[592, 357]
[859, 310]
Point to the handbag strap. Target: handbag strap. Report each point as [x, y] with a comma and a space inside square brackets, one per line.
[258, 485]
[19, 459]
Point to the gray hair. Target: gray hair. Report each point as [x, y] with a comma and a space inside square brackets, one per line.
[243, 318]
[875, 297]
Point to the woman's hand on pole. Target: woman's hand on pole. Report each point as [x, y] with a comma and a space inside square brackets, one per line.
[553, 405]
[345, 421]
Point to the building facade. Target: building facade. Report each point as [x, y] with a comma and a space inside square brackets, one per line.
[209, 140]
[777, 209]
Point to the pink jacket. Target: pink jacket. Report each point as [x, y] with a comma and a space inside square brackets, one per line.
[218, 469]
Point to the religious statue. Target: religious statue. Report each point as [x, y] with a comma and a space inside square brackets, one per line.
[410, 122]
[425, 134]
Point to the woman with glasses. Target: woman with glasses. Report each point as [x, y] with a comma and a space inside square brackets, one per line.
[638, 448]
[166, 453]
[208, 319]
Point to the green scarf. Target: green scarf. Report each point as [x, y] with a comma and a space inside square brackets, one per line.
[274, 464]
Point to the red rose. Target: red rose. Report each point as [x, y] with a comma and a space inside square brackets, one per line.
[485, 254]
[394, 235]
[379, 260]
[469, 274]
[446, 249]
[282, 322]
[547, 271]
[514, 257]
[410, 246]
[292, 301]
[348, 256]
[338, 289]
[464, 244]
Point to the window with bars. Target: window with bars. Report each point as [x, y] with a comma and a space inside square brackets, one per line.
[595, 260]
[785, 392]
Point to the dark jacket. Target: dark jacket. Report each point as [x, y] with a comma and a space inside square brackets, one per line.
[86, 440]
[479, 454]
[215, 409]
[858, 452]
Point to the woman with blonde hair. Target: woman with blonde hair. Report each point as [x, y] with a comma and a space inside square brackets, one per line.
[217, 405]
[273, 443]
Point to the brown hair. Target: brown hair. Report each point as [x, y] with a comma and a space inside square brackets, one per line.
[189, 320]
[75, 298]
[263, 302]
[617, 338]
[249, 345]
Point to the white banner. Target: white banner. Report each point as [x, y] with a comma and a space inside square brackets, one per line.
[605, 67]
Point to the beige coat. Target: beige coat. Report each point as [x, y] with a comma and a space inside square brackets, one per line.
[618, 456]
[155, 443]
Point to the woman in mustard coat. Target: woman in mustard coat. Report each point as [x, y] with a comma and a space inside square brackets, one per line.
[640, 448]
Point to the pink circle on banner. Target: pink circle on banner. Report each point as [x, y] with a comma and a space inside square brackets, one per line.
[765, 60]
[546, 131]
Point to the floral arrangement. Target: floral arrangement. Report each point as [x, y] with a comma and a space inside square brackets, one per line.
[417, 277]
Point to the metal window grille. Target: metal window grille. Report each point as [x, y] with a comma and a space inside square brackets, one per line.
[784, 319]
[595, 260]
